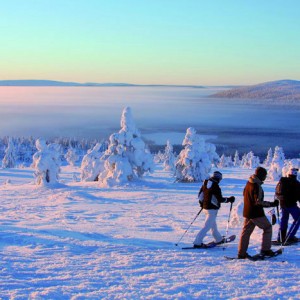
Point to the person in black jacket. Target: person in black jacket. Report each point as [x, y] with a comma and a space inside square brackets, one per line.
[210, 198]
[254, 214]
[288, 193]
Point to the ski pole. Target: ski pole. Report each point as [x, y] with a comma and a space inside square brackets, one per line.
[291, 229]
[273, 217]
[227, 227]
[279, 223]
[189, 226]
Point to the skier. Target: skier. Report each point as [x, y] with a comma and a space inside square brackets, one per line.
[288, 193]
[254, 214]
[210, 199]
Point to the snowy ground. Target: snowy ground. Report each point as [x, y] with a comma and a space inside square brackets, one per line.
[80, 241]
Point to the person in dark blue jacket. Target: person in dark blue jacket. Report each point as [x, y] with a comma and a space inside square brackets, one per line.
[288, 194]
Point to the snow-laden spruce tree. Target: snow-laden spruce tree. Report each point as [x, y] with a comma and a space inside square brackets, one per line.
[169, 157]
[158, 157]
[71, 156]
[10, 157]
[275, 171]
[225, 161]
[193, 163]
[91, 165]
[127, 157]
[46, 162]
[250, 161]
[268, 160]
[236, 160]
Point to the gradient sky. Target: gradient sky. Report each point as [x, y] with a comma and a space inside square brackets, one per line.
[150, 42]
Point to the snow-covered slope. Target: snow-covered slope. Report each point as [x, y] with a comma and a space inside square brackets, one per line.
[79, 241]
[277, 90]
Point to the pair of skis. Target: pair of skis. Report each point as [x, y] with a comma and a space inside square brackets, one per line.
[229, 239]
[211, 244]
[258, 256]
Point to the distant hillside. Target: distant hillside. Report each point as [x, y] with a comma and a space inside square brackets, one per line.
[34, 82]
[274, 90]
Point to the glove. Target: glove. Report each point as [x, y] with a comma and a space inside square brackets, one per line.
[275, 203]
[231, 199]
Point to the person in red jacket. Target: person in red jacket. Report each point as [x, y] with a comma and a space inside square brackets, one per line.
[254, 214]
[210, 198]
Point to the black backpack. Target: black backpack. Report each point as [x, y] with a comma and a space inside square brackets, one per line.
[283, 189]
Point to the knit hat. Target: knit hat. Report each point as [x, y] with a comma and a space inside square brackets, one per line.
[217, 175]
[292, 172]
[261, 173]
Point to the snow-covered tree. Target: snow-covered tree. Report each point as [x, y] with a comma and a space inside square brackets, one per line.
[46, 162]
[91, 165]
[225, 161]
[236, 160]
[243, 160]
[71, 156]
[253, 160]
[158, 157]
[9, 160]
[127, 157]
[250, 161]
[275, 171]
[193, 163]
[268, 160]
[169, 158]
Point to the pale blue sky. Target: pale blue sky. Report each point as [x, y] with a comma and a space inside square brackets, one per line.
[150, 42]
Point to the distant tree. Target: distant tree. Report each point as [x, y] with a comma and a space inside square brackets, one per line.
[46, 162]
[158, 157]
[268, 160]
[9, 160]
[127, 157]
[236, 160]
[71, 156]
[250, 161]
[225, 161]
[169, 157]
[253, 160]
[193, 163]
[275, 171]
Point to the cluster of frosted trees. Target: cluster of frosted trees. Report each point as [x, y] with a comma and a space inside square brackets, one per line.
[248, 161]
[18, 152]
[126, 158]
[276, 163]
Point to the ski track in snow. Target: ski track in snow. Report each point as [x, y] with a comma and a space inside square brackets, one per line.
[80, 241]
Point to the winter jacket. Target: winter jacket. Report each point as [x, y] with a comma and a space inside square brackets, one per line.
[288, 191]
[212, 195]
[254, 199]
